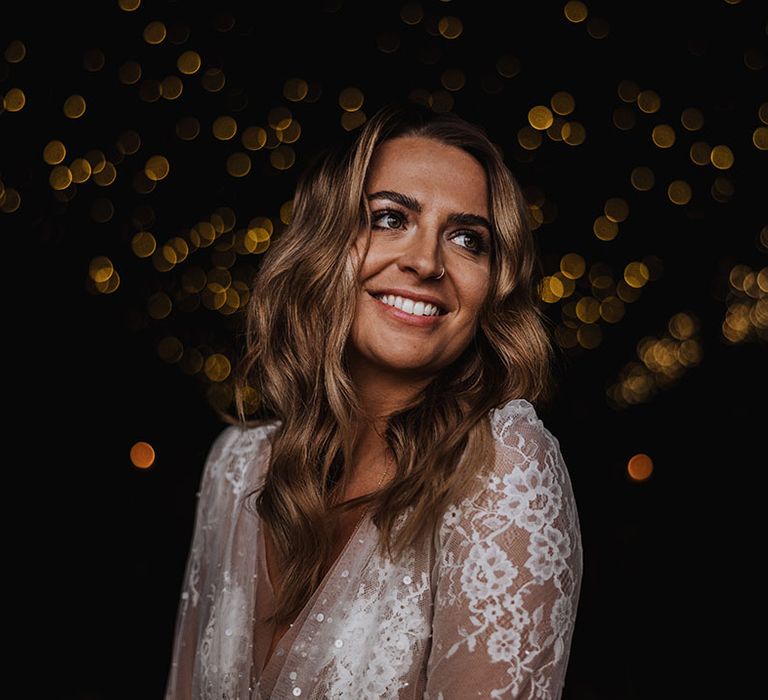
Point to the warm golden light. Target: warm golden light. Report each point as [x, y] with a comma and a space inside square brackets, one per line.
[101, 268]
[155, 33]
[54, 152]
[213, 79]
[291, 133]
[679, 192]
[171, 87]
[616, 209]
[760, 138]
[589, 336]
[254, 138]
[640, 467]
[588, 309]
[142, 455]
[286, 211]
[295, 89]
[648, 101]
[450, 27]
[129, 73]
[722, 157]
[106, 176]
[692, 119]
[279, 118]
[663, 135]
[540, 117]
[352, 120]
[224, 128]
[157, 168]
[74, 106]
[60, 177]
[628, 90]
[217, 367]
[612, 309]
[529, 138]
[562, 103]
[14, 100]
[15, 51]
[681, 326]
[189, 62]
[80, 169]
[700, 152]
[143, 244]
[575, 11]
[574, 133]
[572, 265]
[282, 157]
[605, 229]
[351, 99]
[636, 274]
[642, 178]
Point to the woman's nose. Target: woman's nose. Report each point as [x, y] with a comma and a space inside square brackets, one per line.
[423, 254]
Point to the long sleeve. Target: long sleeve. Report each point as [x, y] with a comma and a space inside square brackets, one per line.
[192, 611]
[509, 570]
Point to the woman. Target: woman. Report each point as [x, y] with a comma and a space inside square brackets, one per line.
[414, 533]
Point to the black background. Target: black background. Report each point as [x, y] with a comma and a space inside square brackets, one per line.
[98, 547]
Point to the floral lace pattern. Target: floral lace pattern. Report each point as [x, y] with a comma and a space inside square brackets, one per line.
[485, 607]
[511, 569]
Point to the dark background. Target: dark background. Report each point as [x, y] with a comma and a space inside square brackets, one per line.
[668, 597]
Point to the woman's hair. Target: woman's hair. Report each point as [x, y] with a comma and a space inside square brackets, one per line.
[297, 323]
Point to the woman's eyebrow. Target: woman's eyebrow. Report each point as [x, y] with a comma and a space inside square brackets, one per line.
[413, 204]
[402, 199]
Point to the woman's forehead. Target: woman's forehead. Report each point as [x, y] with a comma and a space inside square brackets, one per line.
[425, 170]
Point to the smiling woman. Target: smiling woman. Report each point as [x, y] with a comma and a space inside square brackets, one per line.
[414, 533]
[429, 206]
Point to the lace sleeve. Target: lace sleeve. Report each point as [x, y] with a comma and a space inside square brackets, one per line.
[192, 610]
[509, 574]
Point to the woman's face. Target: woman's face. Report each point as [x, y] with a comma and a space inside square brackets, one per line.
[429, 211]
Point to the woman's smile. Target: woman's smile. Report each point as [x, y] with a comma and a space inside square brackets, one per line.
[409, 319]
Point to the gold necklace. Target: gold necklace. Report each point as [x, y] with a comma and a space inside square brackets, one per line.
[381, 481]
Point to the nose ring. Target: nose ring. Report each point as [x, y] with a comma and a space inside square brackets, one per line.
[440, 276]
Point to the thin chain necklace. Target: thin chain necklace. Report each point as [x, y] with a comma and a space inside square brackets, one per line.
[381, 481]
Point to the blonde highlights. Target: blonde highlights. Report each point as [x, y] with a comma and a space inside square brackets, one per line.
[297, 324]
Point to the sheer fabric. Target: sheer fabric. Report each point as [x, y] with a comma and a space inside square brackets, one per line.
[484, 607]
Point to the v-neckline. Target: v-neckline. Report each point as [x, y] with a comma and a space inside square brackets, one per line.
[270, 587]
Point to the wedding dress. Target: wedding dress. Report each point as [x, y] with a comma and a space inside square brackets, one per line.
[485, 607]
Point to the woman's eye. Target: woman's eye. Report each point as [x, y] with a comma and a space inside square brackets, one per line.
[477, 246]
[388, 218]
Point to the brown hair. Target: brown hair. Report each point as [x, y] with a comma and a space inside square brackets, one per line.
[297, 322]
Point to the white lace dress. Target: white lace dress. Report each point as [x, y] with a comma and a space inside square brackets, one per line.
[485, 608]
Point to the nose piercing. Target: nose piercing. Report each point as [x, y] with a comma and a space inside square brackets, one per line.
[440, 276]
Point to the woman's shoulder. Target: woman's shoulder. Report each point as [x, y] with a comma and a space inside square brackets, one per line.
[241, 435]
[237, 454]
[516, 426]
[528, 464]
[527, 492]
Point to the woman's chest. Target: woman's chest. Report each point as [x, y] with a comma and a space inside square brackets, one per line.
[369, 622]
[346, 527]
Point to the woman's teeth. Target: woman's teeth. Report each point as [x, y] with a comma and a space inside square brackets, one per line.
[417, 308]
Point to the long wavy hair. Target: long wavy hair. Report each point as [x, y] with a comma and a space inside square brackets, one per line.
[297, 324]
